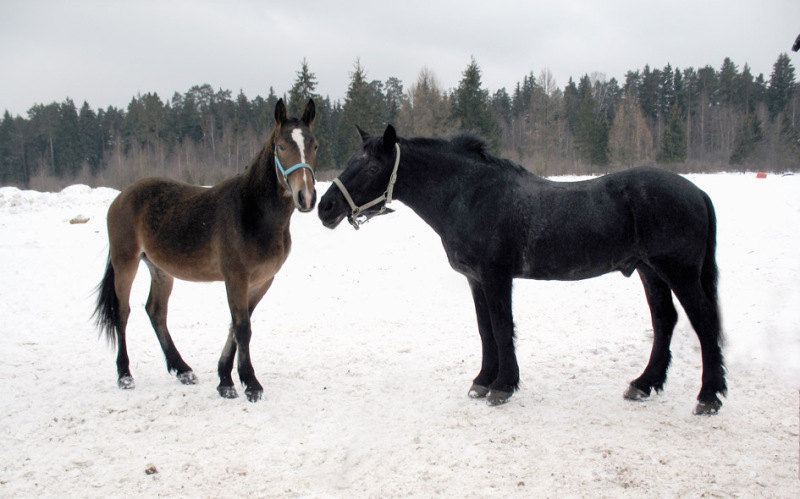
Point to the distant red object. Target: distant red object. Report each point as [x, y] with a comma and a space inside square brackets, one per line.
[761, 175]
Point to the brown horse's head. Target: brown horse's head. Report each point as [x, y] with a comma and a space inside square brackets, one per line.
[295, 150]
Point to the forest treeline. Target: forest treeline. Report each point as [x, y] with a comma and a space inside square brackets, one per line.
[688, 120]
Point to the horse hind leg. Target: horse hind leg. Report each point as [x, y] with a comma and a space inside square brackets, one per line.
[704, 317]
[160, 290]
[664, 317]
[124, 271]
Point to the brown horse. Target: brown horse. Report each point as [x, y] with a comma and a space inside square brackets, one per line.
[236, 231]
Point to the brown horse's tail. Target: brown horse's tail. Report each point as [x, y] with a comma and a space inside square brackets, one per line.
[106, 313]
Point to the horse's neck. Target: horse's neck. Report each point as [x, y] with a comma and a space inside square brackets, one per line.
[428, 186]
[260, 187]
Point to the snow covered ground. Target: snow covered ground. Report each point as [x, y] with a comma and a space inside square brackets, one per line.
[366, 346]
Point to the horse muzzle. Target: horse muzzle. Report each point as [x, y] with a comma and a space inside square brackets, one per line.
[305, 198]
[331, 211]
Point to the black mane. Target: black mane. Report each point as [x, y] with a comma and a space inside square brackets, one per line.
[467, 144]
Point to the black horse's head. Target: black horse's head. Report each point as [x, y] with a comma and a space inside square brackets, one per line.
[368, 180]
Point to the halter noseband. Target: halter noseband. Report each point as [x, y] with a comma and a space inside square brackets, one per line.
[355, 218]
[285, 173]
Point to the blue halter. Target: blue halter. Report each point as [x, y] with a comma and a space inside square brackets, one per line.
[285, 173]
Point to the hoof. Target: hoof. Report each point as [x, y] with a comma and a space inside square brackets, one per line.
[496, 397]
[187, 378]
[126, 383]
[254, 394]
[633, 393]
[707, 408]
[227, 391]
[477, 391]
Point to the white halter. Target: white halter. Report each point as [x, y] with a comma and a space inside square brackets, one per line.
[355, 211]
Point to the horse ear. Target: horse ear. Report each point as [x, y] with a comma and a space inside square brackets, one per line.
[280, 112]
[364, 135]
[389, 138]
[309, 113]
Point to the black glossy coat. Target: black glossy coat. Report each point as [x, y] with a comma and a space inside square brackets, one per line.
[498, 222]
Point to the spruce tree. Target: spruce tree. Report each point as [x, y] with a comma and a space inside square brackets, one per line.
[572, 104]
[472, 109]
[591, 132]
[781, 85]
[302, 90]
[673, 144]
[364, 106]
[748, 137]
[394, 98]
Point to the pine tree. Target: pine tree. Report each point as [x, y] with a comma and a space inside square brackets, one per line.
[673, 144]
[11, 161]
[501, 107]
[67, 148]
[728, 82]
[302, 90]
[394, 98]
[472, 107]
[749, 136]
[649, 91]
[572, 104]
[781, 85]
[364, 106]
[591, 132]
[90, 138]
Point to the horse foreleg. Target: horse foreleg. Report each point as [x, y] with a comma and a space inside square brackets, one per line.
[497, 292]
[240, 328]
[160, 290]
[488, 373]
[225, 368]
[255, 294]
[664, 317]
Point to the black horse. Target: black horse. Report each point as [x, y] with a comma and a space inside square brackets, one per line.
[498, 221]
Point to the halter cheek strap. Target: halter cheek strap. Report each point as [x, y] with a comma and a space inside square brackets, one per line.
[284, 174]
[355, 210]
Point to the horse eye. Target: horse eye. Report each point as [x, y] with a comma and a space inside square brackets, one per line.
[373, 169]
[316, 147]
[281, 147]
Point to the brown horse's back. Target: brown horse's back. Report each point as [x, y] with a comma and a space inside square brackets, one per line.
[173, 224]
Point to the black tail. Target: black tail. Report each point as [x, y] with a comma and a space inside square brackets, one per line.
[709, 275]
[106, 313]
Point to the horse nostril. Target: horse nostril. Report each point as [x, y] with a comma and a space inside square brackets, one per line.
[325, 205]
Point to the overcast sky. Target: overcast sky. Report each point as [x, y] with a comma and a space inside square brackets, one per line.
[105, 52]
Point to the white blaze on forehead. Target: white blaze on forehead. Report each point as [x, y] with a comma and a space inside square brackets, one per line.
[297, 136]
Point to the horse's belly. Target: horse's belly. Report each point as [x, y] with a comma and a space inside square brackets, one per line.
[199, 266]
[577, 265]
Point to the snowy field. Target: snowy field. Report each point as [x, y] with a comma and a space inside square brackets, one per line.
[366, 346]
